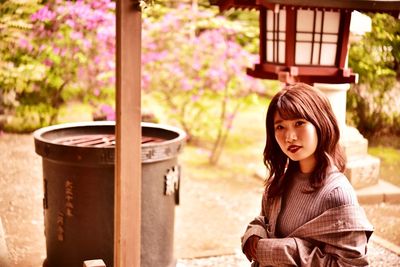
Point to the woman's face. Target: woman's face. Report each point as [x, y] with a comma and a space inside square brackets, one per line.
[298, 139]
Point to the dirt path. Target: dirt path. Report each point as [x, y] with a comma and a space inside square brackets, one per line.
[213, 214]
[21, 200]
[209, 221]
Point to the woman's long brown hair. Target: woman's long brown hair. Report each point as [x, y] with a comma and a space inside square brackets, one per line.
[302, 101]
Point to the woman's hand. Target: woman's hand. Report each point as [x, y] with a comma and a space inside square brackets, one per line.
[250, 248]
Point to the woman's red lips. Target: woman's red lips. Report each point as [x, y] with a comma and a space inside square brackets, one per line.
[293, 148]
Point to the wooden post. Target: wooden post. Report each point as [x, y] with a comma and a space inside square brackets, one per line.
[128, 136]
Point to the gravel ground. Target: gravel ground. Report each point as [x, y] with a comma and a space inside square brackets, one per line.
[389, 227]
[209, 221]
[379, 257]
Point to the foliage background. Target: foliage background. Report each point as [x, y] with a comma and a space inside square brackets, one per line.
[373, 103]
[57, 58]
[29, 84]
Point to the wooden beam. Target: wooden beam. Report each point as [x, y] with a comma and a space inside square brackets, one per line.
[362, 5]
[128, 136]
[263, 35]
[343, 41]
[308, 75]
[291, 17]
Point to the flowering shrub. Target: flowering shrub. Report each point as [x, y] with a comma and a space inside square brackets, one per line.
[193, 65]
[69, 53]
[14, 70]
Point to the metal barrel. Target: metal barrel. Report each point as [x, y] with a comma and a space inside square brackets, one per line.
[78, 178]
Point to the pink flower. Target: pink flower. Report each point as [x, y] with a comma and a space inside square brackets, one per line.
[71, 23]
[96, 92]
[48, 62]
[108, 111]
[63, 52]
[87, 44]
[76, 35]
[56, 50]
[25, 44]
[186, 86]
[43, 14]
[111, 80]
[195, 98]
[110, 64]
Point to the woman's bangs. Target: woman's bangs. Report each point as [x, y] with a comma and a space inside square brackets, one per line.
[289, 111]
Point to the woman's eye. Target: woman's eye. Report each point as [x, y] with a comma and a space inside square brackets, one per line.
[278, 127]
[299, 123]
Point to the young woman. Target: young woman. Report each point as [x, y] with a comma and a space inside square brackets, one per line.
[310, 215]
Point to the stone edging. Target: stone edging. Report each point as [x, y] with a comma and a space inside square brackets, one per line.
[4, 255]
[386, 244]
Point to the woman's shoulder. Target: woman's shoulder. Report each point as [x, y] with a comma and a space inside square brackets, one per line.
[338, 190]
[334, 176]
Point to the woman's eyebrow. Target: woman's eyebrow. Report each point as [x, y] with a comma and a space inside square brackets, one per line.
[278, 121]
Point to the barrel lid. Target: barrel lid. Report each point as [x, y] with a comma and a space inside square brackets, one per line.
[95, 142]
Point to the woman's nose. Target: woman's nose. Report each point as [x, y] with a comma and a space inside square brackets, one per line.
[291, 136]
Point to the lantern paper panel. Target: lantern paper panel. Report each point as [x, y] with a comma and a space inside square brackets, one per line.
[276, 36]
[316, 37]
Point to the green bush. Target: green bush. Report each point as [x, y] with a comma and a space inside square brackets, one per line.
[28, 118]
[376, 58]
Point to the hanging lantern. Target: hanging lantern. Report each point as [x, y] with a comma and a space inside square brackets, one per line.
[306, 41]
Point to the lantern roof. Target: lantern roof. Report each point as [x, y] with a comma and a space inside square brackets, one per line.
[386, 6]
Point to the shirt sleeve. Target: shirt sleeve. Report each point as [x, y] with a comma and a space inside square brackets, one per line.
[258, 226]
[339, 196]
[346, 249]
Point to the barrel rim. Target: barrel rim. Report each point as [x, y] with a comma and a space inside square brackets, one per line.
[150, 152]
[38, 134]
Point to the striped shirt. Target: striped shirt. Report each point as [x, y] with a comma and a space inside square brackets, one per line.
[337, 237]
[299, 206]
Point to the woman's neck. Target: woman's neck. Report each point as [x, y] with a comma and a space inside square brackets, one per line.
[308, 165]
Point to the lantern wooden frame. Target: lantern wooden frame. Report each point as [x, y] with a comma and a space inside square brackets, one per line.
[328, 59]
[287, 69]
